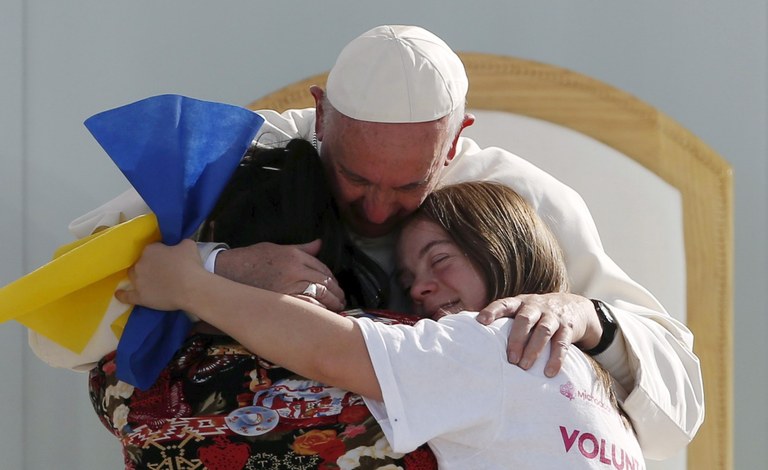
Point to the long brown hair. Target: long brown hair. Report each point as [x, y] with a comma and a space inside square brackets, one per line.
[501, 235]
[508, 244]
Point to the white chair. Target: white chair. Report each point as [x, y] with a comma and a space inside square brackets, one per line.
[661, 198]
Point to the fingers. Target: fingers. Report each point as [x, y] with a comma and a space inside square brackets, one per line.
[318, 272]
[160, 277]
[311, 248]
[306, 254]
[126, 296]
[279, 268]
[522, 325]
[332, 301]
[499, 309]
[322, 293]
[540, 335]
[327, 289]
[539, 319]
[330, 284]
[288, 269]
[561, 341]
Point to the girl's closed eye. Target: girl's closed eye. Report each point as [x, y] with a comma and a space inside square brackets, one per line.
[439, 258]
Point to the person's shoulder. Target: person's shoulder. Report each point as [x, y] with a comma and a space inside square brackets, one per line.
[539, 188]
[280, 127]
[463, 317]
[466, 323]
[473, 162]
[382, 316]
[292, 114]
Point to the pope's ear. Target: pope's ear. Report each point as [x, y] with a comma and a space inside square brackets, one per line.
[468, 120]
[319, 95]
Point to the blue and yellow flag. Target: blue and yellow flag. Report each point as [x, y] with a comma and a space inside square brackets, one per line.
[178, 153]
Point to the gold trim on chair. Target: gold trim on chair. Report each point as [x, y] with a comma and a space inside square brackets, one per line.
[654, 140]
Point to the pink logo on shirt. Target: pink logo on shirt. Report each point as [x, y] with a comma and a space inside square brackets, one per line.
[567, 390]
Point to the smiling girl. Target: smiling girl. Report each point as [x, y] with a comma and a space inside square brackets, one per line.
[444, 382]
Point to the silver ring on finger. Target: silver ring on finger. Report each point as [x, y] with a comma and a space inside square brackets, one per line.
[311, 290]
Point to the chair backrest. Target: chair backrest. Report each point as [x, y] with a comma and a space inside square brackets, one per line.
[600, 125]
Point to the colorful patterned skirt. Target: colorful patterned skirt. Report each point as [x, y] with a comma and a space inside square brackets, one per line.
[216, 406]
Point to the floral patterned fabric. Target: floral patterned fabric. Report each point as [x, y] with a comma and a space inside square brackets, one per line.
[216, 406]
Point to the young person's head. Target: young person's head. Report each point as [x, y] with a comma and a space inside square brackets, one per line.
[471, 243]
[277, 195]
[280, 195]
[389, 121]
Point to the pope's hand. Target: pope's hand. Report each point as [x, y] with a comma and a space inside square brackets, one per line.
[288, 269]
[559, 319]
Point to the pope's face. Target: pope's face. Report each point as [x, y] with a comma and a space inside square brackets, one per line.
[440, 278]
[380, 173]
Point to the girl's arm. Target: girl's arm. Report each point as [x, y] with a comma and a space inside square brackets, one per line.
[304, 338]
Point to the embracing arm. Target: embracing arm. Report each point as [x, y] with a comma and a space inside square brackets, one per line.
[300, 336]
[652, 354]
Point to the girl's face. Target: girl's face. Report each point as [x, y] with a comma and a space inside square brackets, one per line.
[439, 276]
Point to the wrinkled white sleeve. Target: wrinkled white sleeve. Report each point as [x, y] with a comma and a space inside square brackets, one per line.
[653, 357]
[277, 129]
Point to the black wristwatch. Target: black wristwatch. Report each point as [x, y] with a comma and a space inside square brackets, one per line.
[609, 327]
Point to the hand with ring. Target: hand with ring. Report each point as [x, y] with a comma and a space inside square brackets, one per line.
[311, 290]
[289, 269]
[317, 293]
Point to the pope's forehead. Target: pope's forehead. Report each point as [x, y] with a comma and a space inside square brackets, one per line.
[424, 140]
[393, 154]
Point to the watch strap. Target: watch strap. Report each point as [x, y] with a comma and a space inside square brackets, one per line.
[609, 327]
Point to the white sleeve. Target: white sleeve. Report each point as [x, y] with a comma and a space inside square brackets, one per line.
[279, 128]
[666, 405]
[655, 363]
[437, 379]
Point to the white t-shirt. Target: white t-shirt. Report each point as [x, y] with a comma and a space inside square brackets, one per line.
[448, 383]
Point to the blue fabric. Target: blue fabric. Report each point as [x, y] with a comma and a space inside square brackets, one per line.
[178, 153]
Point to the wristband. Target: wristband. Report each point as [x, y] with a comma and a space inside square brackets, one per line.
[609, 327]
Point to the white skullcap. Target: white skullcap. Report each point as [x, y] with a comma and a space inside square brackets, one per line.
[397, 74]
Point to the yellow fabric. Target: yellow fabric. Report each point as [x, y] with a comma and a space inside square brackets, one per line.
[118, 325]
[65, 299]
